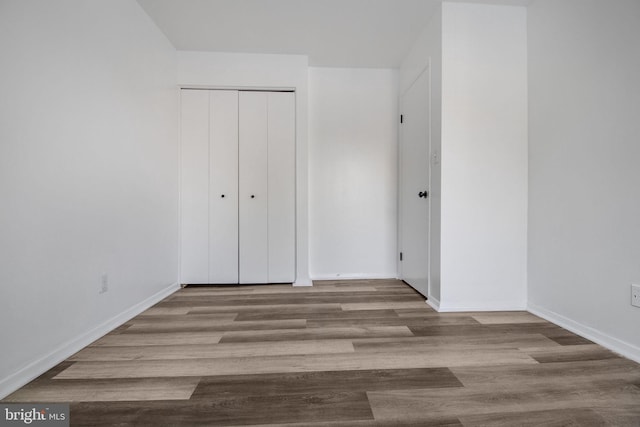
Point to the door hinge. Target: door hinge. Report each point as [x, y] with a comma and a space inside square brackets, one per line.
[401, 118]
[400, 256]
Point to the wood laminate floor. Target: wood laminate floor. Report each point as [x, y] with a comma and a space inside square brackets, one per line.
[357, 353]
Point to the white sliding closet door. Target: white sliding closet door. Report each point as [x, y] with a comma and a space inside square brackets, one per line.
[281, 178]
[253, 185]
[195, 186]
[223, 186]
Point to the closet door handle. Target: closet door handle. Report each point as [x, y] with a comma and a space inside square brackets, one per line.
[222, 196]
[253, 197]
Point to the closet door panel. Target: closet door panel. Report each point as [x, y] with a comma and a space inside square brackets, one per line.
[223, 186]
[253, 194]
[194, 140]
[281, 178]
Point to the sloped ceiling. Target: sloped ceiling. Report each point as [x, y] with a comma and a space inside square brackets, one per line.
[333, 33]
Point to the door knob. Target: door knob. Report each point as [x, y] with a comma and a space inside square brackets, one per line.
[222, 196]
[252, 196]
[424, 194]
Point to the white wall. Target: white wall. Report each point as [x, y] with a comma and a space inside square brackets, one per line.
[584, 151]
[484, 157]
[241, 70]
[427, 48]
[353, 134]
[425, 52]
[88, 175]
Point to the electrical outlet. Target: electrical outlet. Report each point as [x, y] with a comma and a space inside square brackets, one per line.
[635, 295]
[105, 283]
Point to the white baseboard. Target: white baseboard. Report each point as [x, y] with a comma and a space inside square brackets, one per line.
[623, 348]
[354, 276]
[38, 367]
[434, 303]
[482, 306]
[302, 283]
[303, 280]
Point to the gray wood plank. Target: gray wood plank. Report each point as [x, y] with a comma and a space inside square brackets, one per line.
[314, 382]
[204, 351]
[471, 401]
[294, 363]
[158, 338]
[110, 390]
[316, 334]
[225, 411]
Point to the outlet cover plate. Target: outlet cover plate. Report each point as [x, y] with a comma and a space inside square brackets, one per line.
[104, 283]
[635, 295]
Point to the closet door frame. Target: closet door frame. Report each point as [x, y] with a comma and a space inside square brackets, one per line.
[284, 273]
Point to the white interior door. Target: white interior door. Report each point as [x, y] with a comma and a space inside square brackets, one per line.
[194, 186]
[281, 165]
[414, 185]
[253, 194]
[223, 186]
